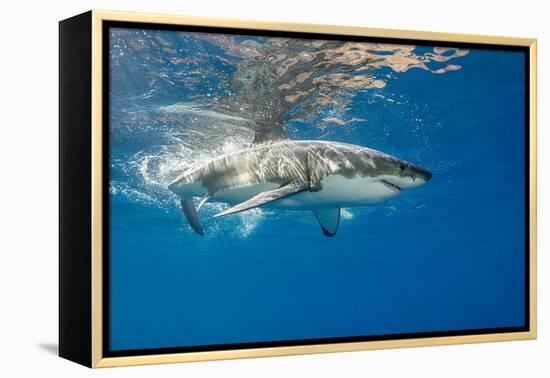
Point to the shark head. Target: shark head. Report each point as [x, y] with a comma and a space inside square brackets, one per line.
[398, 174]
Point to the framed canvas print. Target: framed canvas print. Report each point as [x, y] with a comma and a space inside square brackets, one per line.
[239, 189]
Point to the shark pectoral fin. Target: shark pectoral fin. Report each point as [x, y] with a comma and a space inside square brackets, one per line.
[329, 219]
[264, 197]
[191, 215]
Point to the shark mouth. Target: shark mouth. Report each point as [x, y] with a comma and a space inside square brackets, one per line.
[391, 186]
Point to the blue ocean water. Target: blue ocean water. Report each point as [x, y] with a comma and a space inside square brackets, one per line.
[446, 256]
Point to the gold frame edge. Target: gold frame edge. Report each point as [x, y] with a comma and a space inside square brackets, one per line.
[97, 191]
[533, 188]
[98, 16]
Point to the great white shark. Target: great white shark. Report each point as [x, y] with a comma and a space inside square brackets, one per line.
[302, 175]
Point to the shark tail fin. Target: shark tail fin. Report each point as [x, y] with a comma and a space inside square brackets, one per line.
[191, 215]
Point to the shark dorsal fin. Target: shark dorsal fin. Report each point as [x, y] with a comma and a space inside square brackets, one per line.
[266, 135]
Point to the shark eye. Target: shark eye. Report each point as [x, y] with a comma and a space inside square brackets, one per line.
[402, 166]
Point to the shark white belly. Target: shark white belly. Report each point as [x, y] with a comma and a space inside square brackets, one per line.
[338, 191]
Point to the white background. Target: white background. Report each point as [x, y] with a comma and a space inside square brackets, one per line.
[28, 171]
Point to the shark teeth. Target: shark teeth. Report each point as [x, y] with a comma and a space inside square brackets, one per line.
[391, 186]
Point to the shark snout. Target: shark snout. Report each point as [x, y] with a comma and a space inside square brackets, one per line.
[424, 174]
[416, 176]
[409, 176]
